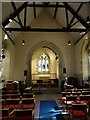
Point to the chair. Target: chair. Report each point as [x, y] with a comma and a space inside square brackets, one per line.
[68, 90]
[88, 98]
[23, 114]
[9, 86]
[15, 95]
[64, 94]
[14, 91]
[83, 99]
[13, 103]
[86, 89]
[2, 103]
[85, 92]
[78, 111]
[76, 93]
[88, 108]
[27, 103]
[4, 92]
[4, 114]
[28, 95]
[70, 100]
[5, 96]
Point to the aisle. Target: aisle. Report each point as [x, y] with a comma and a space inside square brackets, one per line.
[47, 109]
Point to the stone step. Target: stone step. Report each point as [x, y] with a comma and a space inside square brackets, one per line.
[46, 90]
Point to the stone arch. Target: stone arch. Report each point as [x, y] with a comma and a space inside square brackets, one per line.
[84, 59]
[51, 46]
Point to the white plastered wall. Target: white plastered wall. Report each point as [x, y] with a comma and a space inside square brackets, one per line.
[32, 38]
[9, 60]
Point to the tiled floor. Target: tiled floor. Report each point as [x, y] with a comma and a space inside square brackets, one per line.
[47, 93]
[45, 96]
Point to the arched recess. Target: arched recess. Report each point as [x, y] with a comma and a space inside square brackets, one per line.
[55, 49]
[84, 59]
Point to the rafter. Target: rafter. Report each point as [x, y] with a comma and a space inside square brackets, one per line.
[16, 20]
[42, 5]
[14, 7]
[25, 12]
[76, 15]
[46, 3]
[34, 8]
[56, 8]
[82, 36]
[65, 5]
[74, 23]
[14, 14]
[28, 29]
[66, 16]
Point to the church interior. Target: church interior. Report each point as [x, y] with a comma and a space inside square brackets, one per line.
[45, 60]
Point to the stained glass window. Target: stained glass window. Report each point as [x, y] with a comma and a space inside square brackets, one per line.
[43, 63]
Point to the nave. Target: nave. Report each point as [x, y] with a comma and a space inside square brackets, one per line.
[28, 105]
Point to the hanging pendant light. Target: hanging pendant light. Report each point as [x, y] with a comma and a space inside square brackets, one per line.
[23, 42]
[10, 20]
[88, 20]
[3, 54]
[69, 43]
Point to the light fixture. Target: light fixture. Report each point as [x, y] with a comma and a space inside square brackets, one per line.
[88, 20]
[10, 31]
[86, 38]
[69, 43]
[10, 20]
[56, 56]
[5, 37]
[23, 42]
[3, 54]
[81, 33]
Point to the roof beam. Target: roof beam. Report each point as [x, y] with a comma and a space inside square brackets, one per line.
[34, 8]
[74, 23]
[14, 7]
[82, 36]
[46, 3]
[66, 16]
[42, 5]
[56, 8]
[14, 14]
[25, 12]
[28, 29]
[76, 15]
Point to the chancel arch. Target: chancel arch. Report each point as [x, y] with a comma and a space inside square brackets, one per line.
[52, 69]
[86, 59]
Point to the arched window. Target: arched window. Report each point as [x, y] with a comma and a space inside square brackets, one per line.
[43, 63]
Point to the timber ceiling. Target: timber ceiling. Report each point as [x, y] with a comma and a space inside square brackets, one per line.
[73, 17]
